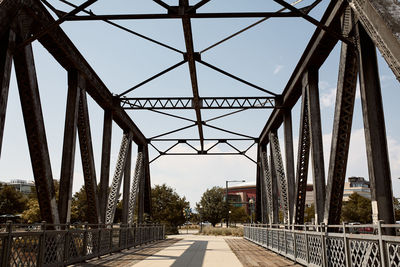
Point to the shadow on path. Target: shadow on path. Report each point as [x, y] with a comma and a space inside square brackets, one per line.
[193, 255]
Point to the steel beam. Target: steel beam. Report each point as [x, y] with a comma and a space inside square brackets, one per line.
[64, 51]
[380, 18]
[259, 191]
[105, 164]
[266, 176]
[288, 138]
[147, 185]
[141, 186]
[117, 179]
[187, 31]
[375, 131]
[87, 158]
[315, 54]
[342, 122]
[35, 132]
[280, 174]
[7, 43]
[275, 192]
[310, 81]
[126, 187]
[8, 11]
[303, 156]
[133, 198]
[75, 85]
[183, 16]
[204, 103]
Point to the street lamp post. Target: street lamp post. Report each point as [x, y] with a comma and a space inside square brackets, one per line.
[226, 198]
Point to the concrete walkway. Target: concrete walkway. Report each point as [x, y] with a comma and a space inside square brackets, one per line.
[194, 251]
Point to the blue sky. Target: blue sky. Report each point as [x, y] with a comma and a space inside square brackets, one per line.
[264, 55]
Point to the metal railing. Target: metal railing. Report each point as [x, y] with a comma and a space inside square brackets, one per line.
[333, 245]
[61, 245]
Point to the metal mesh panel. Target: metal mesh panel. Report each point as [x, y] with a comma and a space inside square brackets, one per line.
[275, 240]
[301, 246]
[76, 249]
[335, 252]
[290, 244]
[393, 250]
[282, 245]
[92, 239]
[134, 189]
[315, 250]
[24, 250]
[105, 240]
[267, 184]
[364, 253]
[270, 238]
[54, 248]
[115, 238]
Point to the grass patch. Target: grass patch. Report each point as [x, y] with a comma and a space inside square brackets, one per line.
[209, 230]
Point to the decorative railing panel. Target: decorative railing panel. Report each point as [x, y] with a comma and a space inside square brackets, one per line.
[60, 245]
[332, 245]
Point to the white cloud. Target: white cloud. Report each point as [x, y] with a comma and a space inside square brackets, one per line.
[328, 98]
[277, 69]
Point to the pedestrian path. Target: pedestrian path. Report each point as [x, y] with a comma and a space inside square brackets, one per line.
[194, 251]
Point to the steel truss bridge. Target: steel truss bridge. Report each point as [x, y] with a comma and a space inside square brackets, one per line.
[360, 26]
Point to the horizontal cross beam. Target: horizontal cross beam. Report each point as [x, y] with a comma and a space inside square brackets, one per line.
[205, 103]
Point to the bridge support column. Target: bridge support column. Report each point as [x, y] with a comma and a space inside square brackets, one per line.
[87, 157]
[6, 45]
[288, 132]
[127, 181]
[75, 85]
[35, 132]
[310, 82]
[274, 186]
[303, 156]
[133, 197]
[147, 185]
[266, 176]
[342, 122]
[105, 164]
[375, 132]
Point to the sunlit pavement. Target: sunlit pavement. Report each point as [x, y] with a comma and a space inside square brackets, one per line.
[194, 251]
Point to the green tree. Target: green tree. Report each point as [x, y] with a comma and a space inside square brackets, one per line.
[238, 214]
[357, 209]
[396, 204]
[309, 213]
[11, 201]
[212, 206]
[32, 213]
[167, 207]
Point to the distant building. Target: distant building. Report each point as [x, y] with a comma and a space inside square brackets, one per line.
[241, 194]
[356, 185]
[23, 186]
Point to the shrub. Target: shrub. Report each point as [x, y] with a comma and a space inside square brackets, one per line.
[233, 231]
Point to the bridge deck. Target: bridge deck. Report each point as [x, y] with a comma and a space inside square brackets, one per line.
[194, 251]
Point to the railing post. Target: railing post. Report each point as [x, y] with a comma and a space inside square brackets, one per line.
[381, 244]
[99, 240]
[7, 246]
[111, 238]
[42, 241]
[306, 237]
[85, 239]
[346, 247]
[294, 243]
[323, 245]
[66, 244]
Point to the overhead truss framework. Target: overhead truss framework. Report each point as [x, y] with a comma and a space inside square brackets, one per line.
[360, 25]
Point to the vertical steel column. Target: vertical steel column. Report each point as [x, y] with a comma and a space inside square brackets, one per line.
[310, 81]
[141, 184]
[375, 132]
[105, 164]
[302, 161]
[288, 133]
[280, 174]
[127, 181]
[275, 192]
[87, 158]
[259, 191]
[147, 185]
[116, 183]
[35, 132]
[6, 45]
[268, 183]
[75, 85]
[342, 122]
[135, 186]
